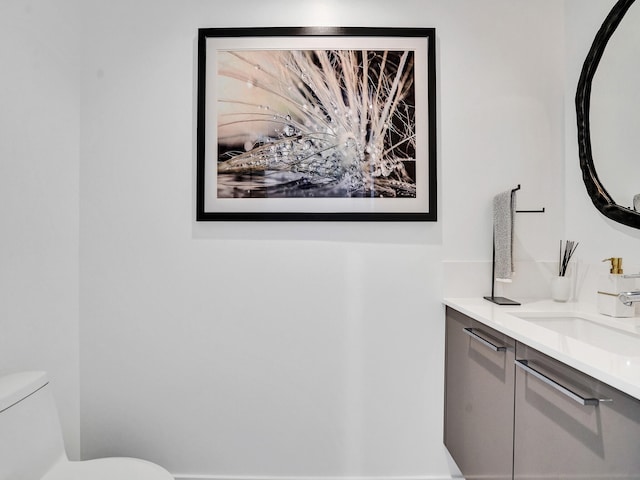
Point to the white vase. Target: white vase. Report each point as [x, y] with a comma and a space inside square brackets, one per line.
[560, 288]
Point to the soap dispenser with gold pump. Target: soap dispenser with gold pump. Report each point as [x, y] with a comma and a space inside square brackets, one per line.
[609, 286]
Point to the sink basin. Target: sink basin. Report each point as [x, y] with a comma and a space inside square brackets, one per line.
[589, 331]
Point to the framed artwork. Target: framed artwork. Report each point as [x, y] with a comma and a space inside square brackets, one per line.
[316, 123]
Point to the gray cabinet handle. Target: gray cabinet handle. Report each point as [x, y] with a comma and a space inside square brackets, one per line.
[469, 331]
[524, 364]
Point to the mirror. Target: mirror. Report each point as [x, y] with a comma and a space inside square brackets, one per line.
[608, 116]
[615, 112]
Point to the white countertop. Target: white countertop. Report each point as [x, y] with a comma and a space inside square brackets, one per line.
[609, 363]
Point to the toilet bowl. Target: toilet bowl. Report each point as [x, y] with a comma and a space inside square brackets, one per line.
[31, 445]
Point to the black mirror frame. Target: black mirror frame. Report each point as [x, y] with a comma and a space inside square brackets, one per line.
[599, 195]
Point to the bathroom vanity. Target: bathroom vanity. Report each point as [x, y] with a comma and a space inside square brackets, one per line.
[542, 390]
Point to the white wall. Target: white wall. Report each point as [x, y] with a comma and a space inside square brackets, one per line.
[502, 123]
[39, 144]
[287, 350]
[263, 349]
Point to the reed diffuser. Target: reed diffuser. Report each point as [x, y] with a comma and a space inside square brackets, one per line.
[566, 253]
[561, 285]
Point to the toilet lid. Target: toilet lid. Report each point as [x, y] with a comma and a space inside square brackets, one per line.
[115, 468]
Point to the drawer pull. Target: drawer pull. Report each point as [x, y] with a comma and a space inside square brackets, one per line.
[474, 335]
[524, 364]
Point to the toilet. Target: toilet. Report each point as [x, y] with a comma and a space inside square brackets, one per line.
[31, 445]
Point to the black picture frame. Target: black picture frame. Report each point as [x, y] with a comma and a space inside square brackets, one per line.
[316, 124]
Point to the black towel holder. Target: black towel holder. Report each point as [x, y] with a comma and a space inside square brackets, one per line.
[493, 298]
[526, 211]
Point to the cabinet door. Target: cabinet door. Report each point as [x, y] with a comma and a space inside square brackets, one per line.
[479, 398]
[556, 436]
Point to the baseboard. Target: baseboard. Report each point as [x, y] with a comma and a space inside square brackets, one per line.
[265, 477]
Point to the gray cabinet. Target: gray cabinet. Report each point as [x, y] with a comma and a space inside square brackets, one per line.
[479, 398]
[512, 412]
[569, 425]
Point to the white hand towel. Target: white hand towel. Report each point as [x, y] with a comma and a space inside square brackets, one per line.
[504, 209]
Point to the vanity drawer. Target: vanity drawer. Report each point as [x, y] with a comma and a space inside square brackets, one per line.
[569, 425]
[478, 398]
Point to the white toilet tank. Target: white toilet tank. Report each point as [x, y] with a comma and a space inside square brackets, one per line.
[30, 436]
